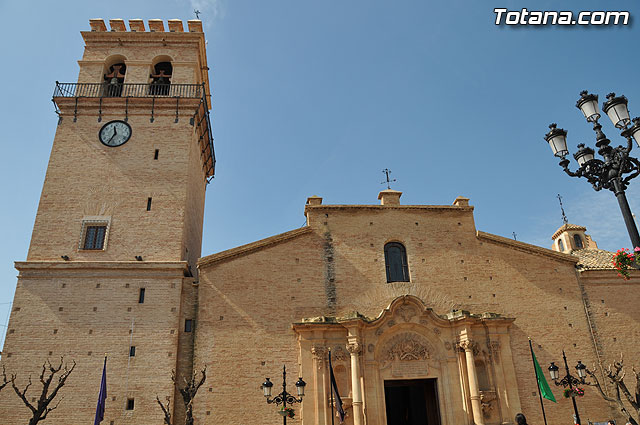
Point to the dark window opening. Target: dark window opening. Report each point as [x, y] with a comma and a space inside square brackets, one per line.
[188, 325]
[395, 257]
[161, 79]
[114, 79]
[155, 155]
[578, 241]
[148, 204]
[560, 245]
[130, 403]
[132, 351]
[94, 237]
[141, 296]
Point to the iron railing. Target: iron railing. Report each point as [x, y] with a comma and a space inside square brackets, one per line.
[192, 91]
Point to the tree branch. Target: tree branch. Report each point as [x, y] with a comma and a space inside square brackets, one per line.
[165, 410]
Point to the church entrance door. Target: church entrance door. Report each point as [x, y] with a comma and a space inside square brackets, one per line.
[412, 402]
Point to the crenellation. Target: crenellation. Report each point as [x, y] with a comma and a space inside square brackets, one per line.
[117, 25]
[195, 25]
[97, 25]
[175, 25]
[136, 25]
[156, 25]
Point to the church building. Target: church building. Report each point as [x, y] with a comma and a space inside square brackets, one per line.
[427, 318]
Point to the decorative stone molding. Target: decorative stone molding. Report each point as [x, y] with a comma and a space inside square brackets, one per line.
[487, 398]
[338, 354]
[406, 347]
[319, 354]
[468, 345]
[354, 347]
[407, 312]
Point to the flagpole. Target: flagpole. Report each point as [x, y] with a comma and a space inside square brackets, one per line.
[535, 370]
[331, 390]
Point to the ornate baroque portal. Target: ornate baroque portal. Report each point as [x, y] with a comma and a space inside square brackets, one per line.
[462, 360]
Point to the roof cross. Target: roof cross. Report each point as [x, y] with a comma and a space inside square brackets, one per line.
[388, 181]
[564, 217]
[197, 12]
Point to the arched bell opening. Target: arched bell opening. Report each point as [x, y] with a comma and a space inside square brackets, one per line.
[160, 76]
[114, 73]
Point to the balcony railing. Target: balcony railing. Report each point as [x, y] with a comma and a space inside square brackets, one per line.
[191, 91]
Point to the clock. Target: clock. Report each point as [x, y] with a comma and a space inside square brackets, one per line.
[115, 133]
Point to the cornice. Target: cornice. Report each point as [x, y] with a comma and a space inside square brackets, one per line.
[101, 265]
[254, 246]
[525, 247]
[308, 208]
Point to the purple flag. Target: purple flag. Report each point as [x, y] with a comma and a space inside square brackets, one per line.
[102, 397]
[334, 388]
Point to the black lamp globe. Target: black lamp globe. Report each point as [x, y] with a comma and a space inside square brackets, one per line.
[635, 130]
[588, 104]
[300, 387]
[616, 108]
[557, 139]
[581, 369]
[266, 387]
[583, 155]
[553, 371]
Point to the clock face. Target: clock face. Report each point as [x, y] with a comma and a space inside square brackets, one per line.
[115, 133]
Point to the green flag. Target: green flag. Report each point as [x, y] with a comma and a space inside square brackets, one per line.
[542, 382]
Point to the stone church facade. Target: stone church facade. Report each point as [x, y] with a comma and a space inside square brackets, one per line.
[424, 314]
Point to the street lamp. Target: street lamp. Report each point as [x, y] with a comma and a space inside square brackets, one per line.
[284, 397]
[569, 380]
[617, 168]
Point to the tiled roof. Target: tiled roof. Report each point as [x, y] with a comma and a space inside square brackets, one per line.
[567, 226]
[594, 259]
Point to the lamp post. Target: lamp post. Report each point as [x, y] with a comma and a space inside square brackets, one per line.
[610, 172]
[569, 380]
[284, 397]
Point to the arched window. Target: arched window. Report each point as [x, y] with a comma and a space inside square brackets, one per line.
[577, 240]
[113, 79]
[161, 79]
[395, 258]
[560, 245]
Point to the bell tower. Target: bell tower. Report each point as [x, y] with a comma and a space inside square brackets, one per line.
[118, 230]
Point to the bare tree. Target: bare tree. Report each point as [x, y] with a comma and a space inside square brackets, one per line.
[188, 393]
[615, 373]
[5, 382]
[42, 409]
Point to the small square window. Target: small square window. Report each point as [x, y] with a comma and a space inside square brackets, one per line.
[130, 403]
[188, 325]
[132, 351]
[95, 230]
[94, 237]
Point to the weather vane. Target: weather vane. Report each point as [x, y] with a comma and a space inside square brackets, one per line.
[197, 12]
[564, 217]
[388, 181]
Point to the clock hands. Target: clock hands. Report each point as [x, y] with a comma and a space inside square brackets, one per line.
[115, 131]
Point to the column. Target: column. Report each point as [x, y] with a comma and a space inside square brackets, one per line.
[354, 346]
[319, 354]
[476, 405]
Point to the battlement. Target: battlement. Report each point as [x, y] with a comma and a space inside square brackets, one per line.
[137, 25]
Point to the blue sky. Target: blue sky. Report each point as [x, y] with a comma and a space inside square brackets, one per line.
[317, 97]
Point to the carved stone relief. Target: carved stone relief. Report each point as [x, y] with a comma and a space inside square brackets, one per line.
[406, 347]
[407, 312]
[339, 354]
